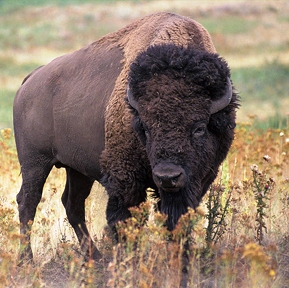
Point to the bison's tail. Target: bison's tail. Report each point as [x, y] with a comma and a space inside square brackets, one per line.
[28, 76]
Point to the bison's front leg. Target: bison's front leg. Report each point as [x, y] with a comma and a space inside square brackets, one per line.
[126, 171]
[122, 196]
[116, 211]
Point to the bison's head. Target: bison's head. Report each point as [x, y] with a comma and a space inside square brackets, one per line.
[184, 114]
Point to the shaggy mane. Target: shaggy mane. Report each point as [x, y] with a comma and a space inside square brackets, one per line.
[201, 68]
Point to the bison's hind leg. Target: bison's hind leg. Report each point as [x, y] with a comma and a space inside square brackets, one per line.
[76, 190]
[34, 174]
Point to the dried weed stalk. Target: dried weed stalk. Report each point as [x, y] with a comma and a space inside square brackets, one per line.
[262, 187]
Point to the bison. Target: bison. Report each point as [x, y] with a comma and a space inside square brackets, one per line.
[151, 105]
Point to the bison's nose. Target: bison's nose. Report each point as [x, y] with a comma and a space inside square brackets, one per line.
[169, 177]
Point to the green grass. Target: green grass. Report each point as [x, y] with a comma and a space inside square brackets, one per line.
[265, 83]
[11, 6]
[7, 6]
[9, 67]
[276, 121]
[264, 93]
[18, 31]
[6, 102]
[227, 25]
[21, 31]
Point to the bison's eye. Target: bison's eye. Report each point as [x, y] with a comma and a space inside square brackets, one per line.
[199, 129]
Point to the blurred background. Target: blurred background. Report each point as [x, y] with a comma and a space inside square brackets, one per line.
[251, 35]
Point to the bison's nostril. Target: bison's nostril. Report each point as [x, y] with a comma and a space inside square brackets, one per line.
[159, 180]
[167, 180]
[175, 180]
[169, 176]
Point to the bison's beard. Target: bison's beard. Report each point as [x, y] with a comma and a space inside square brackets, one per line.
[175, 204]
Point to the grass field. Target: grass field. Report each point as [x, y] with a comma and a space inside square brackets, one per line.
[244, 243]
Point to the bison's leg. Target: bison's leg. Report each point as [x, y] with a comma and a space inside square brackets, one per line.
[34, 176]
[76, 191]
[121, 199]
[116, 211]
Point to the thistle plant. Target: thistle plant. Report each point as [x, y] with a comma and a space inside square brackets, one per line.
[262, 187]
[217, 204]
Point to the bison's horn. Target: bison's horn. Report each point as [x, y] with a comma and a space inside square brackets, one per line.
[224, 101]
[133, 103]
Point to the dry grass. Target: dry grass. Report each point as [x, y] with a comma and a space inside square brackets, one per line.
[250, 249]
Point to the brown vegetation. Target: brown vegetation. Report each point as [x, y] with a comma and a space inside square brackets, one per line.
[249, 248]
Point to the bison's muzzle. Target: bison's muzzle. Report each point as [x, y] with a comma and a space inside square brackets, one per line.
[169, 177]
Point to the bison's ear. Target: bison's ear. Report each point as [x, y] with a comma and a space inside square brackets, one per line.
[132, 101]
[225, 120]
[222, 123]
[224, 100]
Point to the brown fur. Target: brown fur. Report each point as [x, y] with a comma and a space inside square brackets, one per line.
[133, 39]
